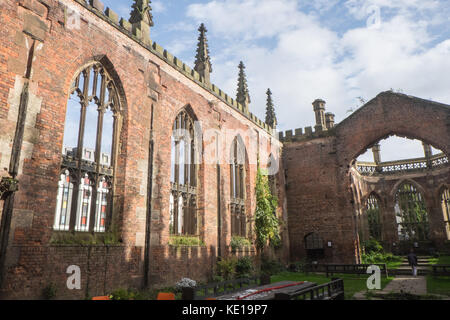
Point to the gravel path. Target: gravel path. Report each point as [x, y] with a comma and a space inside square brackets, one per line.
[407, 284]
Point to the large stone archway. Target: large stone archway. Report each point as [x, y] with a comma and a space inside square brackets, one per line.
[323, 194]
[393, 113]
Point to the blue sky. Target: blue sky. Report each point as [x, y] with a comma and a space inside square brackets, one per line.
[303, 50]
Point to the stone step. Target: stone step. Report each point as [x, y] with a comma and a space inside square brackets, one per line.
[420, 264]
[420, 272]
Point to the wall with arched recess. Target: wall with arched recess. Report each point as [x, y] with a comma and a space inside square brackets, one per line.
[323, 191]
[154, 85]
[393, 113]
[428, 182]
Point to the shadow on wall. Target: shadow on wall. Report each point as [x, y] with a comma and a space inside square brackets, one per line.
[103, 269]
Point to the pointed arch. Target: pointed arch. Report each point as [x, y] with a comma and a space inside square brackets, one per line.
[184, 174]
[92, 128]
[411, 212]
[238, 174]
[373, 212]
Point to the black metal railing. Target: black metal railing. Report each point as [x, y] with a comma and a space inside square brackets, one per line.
[358, 269]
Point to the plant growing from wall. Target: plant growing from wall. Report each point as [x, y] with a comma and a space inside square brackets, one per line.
[225, 269]
[238, 242]
[267, 226]
[49, 292]
[179, 241]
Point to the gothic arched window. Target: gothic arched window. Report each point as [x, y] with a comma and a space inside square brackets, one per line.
[237, 180]
[183, 198]
[411, 213]
[91, 131]
[445, 203]
[373, 217]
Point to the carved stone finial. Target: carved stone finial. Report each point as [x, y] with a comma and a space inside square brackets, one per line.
[243, 96]
[142, 12]
[271, 118]
[141, 20]
[202, 59]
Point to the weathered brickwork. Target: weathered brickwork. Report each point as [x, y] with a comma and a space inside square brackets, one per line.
[42, 51]
[428, 182]
[147, 79]
[325, 193]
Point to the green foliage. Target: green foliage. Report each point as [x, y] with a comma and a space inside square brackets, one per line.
[226, 268]
[374, 254]
[352, 283]
[178, 241]
[372, 246]
[373, 218]
[413, 214]
[298, 266]
[438, 285]
[123, 294]
[85, 239]
[271, 267]
[49, 292]
[238, 242]
[380, 257]
[267, 226]
[244, 267]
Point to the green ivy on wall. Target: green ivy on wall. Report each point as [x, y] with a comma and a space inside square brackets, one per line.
[267, 225]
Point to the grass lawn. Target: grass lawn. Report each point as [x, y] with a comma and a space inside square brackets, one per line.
[352, 283]
[440, 260]
[393, 265]
[438, 285]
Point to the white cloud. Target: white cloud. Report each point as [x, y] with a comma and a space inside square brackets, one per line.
[158, 6]
[301, 59]
[248, 19]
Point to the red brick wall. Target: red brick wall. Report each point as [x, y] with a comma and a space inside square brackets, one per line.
[428, 183]
[144, 80]
[320, 184]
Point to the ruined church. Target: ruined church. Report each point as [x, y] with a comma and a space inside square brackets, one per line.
[120, 159]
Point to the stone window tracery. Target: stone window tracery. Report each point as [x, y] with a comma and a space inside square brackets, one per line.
[237, 180]
[373, 217]
[411, 213]
[183, 197]
[84, 198]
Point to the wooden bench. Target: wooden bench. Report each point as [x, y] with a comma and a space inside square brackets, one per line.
[333, 290]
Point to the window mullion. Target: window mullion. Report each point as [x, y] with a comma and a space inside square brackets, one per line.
[94, 200]
[76, 187]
